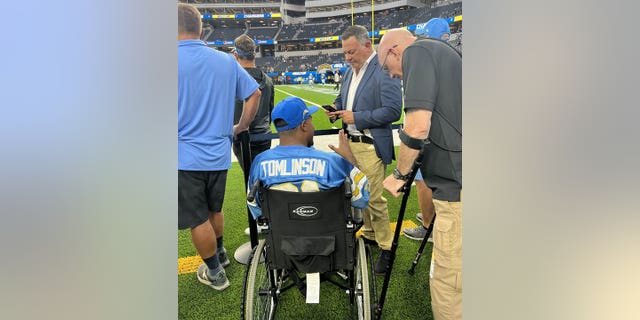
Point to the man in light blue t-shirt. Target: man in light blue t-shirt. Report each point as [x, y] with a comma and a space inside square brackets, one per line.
[296, 166]
[209, 81]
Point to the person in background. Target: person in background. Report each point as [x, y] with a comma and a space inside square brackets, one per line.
[310, 80]
[244, 53]
[436, 28]
[425, 202]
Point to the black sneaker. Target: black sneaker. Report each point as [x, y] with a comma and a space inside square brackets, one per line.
[382, 263]
[369, 241]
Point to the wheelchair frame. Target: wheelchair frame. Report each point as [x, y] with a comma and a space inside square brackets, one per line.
[267, 277]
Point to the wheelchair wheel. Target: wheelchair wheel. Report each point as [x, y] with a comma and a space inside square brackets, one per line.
[260, 300]
[363, 294]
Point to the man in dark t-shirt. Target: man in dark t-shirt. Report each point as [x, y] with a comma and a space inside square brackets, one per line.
[436, 28]
[244, 52]
[431, 71]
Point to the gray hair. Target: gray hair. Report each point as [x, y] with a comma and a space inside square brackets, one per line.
[359, 32]
[189, 20]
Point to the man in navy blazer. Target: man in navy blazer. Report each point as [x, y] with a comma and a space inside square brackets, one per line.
[369, 101]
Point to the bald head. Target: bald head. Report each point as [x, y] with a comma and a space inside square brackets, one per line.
[396, 36]
[390, 50]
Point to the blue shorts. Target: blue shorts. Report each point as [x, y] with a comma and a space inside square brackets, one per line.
[418, 176]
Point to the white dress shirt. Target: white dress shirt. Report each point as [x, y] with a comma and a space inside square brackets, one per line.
[351, 95]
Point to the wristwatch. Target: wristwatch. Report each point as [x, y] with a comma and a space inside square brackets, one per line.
[400, 176]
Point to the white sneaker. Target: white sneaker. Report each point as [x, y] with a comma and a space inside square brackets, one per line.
[260, 228]
[219, 281]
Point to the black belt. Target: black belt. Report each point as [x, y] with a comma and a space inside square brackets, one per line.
[363, 139]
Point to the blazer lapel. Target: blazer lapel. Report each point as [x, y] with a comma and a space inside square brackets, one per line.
[345, 83]
[365, 77]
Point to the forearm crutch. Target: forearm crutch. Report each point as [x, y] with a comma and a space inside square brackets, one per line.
[422, 245]
[406, 190]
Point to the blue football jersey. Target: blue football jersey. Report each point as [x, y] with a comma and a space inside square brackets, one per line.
[305, 169]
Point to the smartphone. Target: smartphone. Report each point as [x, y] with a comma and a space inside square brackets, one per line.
[329, 107]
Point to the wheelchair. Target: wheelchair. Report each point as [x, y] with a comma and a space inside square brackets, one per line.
[307, 232]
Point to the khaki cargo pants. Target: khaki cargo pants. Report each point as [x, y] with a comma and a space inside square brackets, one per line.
[445, 277]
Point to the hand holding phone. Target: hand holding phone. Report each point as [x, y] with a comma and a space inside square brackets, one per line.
[329, 108]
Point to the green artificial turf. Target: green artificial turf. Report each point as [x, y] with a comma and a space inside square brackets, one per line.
[407, 297]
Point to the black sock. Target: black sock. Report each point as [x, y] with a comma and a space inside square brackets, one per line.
[220, 244]
[212, 262]
[426, 228]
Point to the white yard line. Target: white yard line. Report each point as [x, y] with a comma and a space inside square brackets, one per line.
[293, 95]
[324, 90]
[305, 100]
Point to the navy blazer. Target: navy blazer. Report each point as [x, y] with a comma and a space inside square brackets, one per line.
[377, 104]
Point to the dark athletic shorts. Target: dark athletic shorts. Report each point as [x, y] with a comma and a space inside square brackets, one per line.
[199, 192]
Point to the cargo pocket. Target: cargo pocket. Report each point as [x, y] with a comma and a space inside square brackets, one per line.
[309, 254]
[443, 229]
[443, 241]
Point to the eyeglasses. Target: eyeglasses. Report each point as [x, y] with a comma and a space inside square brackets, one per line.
[384, 63]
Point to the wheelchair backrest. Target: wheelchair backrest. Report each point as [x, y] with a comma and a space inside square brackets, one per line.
[309, 231]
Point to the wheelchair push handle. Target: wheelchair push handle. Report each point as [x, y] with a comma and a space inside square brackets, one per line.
[357, 215]
[347, 188]
[252, 192]
[348, 194]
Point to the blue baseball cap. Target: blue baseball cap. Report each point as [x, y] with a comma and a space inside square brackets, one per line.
[293, 111]
[434, 28]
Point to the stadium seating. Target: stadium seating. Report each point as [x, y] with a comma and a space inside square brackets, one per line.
[298, 63]
[295, 34]
[228, 33]
[289, 31]
[319, 30]
[262, 33]
[324, 27]
[401, 18]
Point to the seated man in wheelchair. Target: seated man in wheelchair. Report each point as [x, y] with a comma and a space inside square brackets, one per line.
[296, 166]
[303, 197]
